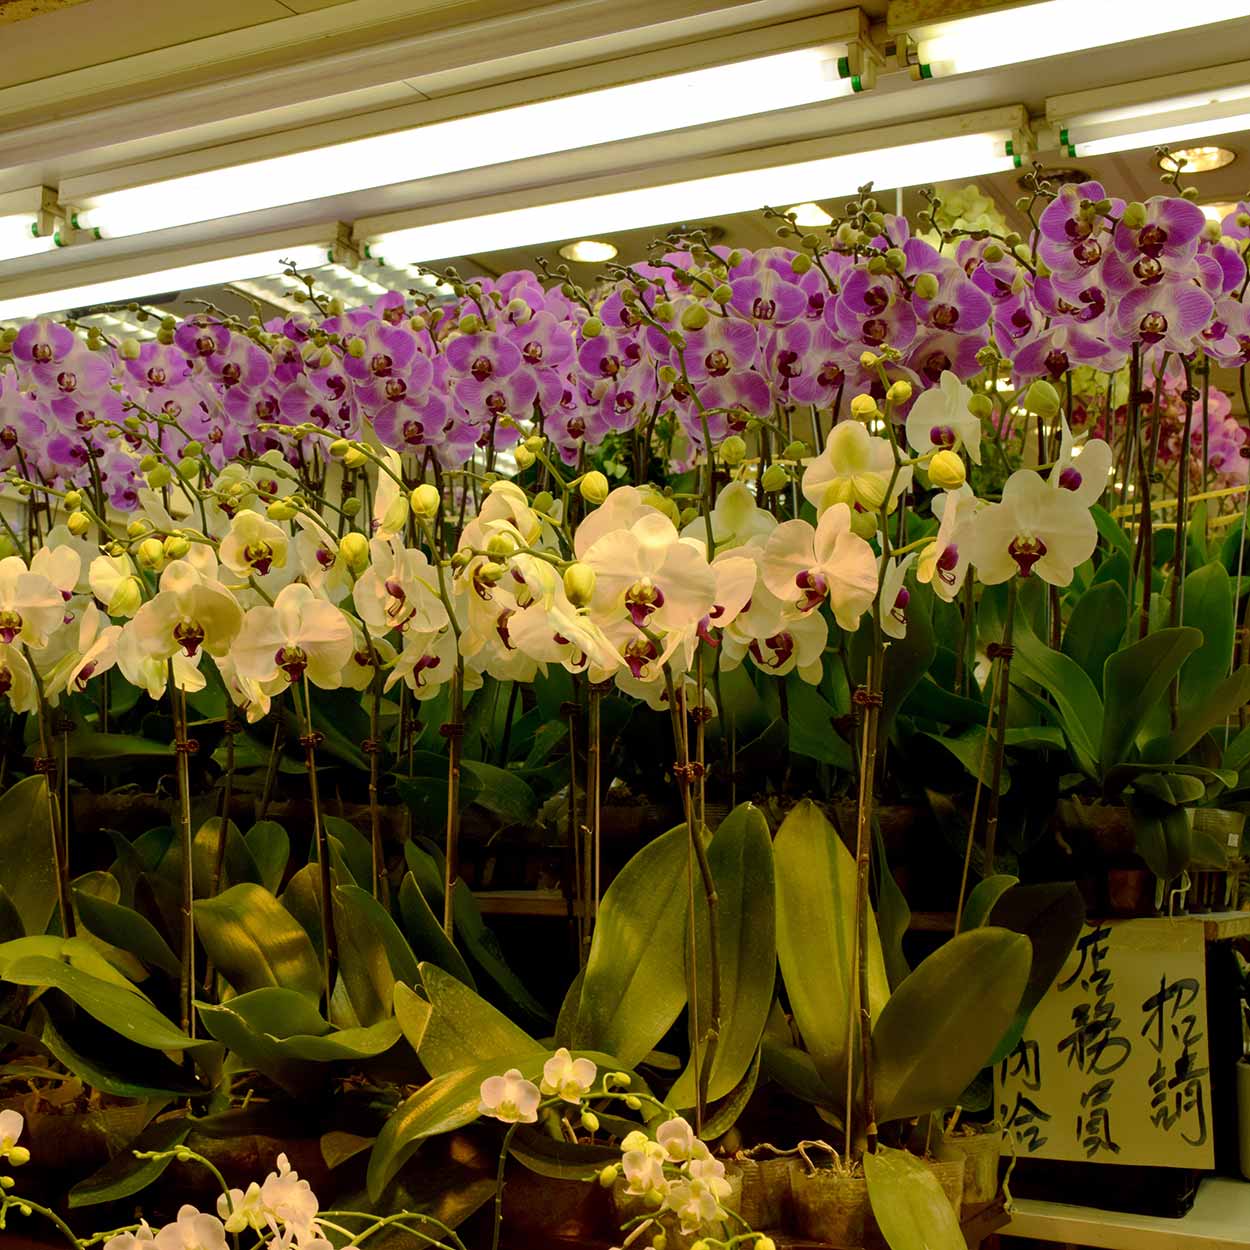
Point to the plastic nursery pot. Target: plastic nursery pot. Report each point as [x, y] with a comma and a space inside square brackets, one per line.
[832, 1207]
[981, 1148]
[765, 1192]
[630, 1206]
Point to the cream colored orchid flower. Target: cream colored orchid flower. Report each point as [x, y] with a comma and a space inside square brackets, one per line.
[299, 636]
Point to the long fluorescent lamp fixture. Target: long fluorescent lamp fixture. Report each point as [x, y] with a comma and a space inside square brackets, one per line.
[674, 102]
[155, 282]
[1050, 28]
[19, 236]
[909, 165]
[1177, 120]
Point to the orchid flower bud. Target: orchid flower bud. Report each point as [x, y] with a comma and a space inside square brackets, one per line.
[981, 407]
[280, 510]
[733, 450]
[1042, 399]
[593, 487]
[774, 478]
[579, 584]
[78, 523]
[946, 471]
[72, 500]
[695, 317]
[1134, 216]
[501, 545]
[592, 328]
[925, 286]
[543, 501]
[354, 548]
[151, 554]
[523, 456]
[351, 507]
[899, 392]
[176, 547]
[426, 501]
[160, 476]
[864, 407]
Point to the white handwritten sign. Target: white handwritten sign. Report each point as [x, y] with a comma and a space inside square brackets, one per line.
[1113, 1066]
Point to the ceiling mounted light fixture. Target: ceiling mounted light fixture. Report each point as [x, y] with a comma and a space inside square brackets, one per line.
[1052, 28]
[698, 97]
[810, 216]
[1157, 112]
[1217, 212]
[905, 164]
[19, 236]
[139, 285]
[1201, 160]
[588, 251]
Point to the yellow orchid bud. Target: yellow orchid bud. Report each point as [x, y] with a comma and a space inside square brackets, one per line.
[733, 450]
[608, 1175]
[280, 510]
[899, 392]
[78, 523]
[501, 545]
[188, 467]
[594, 487]
[354, 457]
[352, 506]
[579, 584]
[870, 360]
[695, 317]
[543, 502]
[176, 547]
[425, 501]
[981, 407]
[1043, 399]
[946, 471]
[130, 349]
[151, 554]
[864, 407]
[354, 548]
[72, 500]
[590, 1122]
[523, 456]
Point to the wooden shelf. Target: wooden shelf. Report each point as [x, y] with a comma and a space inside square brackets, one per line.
[1219, 1220]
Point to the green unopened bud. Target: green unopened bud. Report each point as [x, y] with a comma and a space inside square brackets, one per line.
[1042, 399]
[733, 450]
[667, 374]
[663, 311]
[1134, 216]
[501, 545]
[129, 349]
[899, 392]
[590, 1122]
[633, 1102]
[470, 323]
[72, 500]
[354, 548]
[78, 523]
[579, 584]
[896, 259]
[188, 467]
[877, 265]
[800, 262]
[981, 407]
[946, 471]
[193, 448]
[352, 506]
[592, 328]
[148, 463]
[694, 317]
[523, 456]
[354, 457]
[18, 1155]
[992, 253]
[160, 476]
[355, 347]
[925, 286]
[864, 407]
[863, 523]
[723, 293]
[492, 572]
[543, 502]
[425, 501]
[151, 554]
[339, 448]
[138, 527]
[176, 547]
[281, 510]
[797, 450]
[608, 1175]
[774, 478]
[594, 487]
[1189, 193]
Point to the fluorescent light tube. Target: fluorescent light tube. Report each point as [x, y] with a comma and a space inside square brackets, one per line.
[153, 282]
[1052, 28]
[1155, 135]
[19, 237]
[673, 102]
[934, 160]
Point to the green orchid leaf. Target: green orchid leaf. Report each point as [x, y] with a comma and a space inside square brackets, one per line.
[270, 848]
[1221, 702]
[816, 878]
[910, 1206]
[943, 1023]
[1135, 679]
[1164, 835]
[635, 983]
[464, 1028]
[25, 839]
[1207, 605]
[722, 1115]
[253, 941]
[126, 928]
[482, 947]
[559, 1159]
[125, 1175]
[413, 1013]
[982, 899]
[741, 859]
[354, 847]
[1096, 628]
[373, 953]
[425, 932]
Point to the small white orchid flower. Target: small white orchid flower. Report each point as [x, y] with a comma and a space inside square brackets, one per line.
[428, 661]
[150, 672]
[300, 635]
[324, 566]
[803, 566]
[192, 1230]
[939, 420]
[944, 562]
[390, 500]
[695, 1203]
[17, 683]
[1082, 469]
[568, 1077]
[677, 1136]
[113, 582]
[399, 590]
[95, 653]
[188, 615]
[1035, 530]
[854, 469]
[894, 597]
[736, 519]
[290, 1202]
[510, 1098]
[243, 1210]
[642, 1163]
[140, 1239]
[11, 1126]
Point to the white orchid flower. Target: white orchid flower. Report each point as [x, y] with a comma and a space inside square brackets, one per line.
[894, 597]
[390, 500]
[254, 546]
[854, 469]
[567, 1077]
[299, 636]
[192, 1230]
[187, 616]
[399, 590]
[651, 576]
[559, 633]
[31, 607]
[803, 566]
[944, 562]
[1082, 469]
[140, 1239]
[151, 672]
[736, 519]
[642, 1163]
[695, 1203]
[95, 653]
[17, 682]
[619, 511]
[11, 1125]
[510, 1098]
[369, 657]
[1035, 530]
[253, 697]
[797, 644]
[290, 1202]
[323, 565]
[939, 420]
[426, 662]
[113, 582]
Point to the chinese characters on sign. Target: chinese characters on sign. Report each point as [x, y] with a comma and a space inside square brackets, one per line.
[1113, 1065]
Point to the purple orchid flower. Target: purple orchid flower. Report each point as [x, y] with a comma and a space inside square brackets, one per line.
[934, 352]
[872, 312]
[1171, 232]
[1171, 315]
[40, 349]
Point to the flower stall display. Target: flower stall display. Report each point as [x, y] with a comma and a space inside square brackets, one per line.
[777, 544]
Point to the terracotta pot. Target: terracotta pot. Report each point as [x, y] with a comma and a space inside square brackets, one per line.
[630, 1206]
[833, 1208]
[765, 1192]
